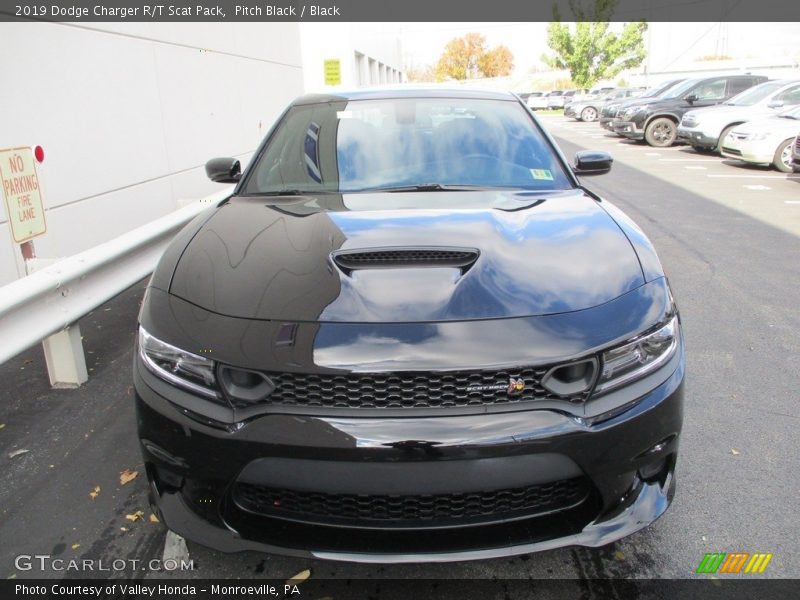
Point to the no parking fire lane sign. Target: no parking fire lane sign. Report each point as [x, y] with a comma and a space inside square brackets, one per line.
[22, 194]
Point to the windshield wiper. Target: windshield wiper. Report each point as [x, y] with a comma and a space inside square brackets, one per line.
[426, 187]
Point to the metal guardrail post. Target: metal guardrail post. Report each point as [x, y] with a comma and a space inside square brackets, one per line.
[66, 363]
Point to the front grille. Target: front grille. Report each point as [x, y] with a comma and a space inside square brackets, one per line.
[732, 151]
[410, 390]
[409, 257]
[402, 510]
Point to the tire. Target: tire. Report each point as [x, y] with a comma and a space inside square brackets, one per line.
[723, 135]
[661, 132]
[783, 156]
[589, 114]
[703, 149]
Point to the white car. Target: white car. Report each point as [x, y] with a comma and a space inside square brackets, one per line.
[537, 101]
[705, 128]
[765, 141]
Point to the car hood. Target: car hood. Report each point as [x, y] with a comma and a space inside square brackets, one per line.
[281, 258]
[771, 125]
[724, 111]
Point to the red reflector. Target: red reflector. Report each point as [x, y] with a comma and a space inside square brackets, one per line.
[38, 153]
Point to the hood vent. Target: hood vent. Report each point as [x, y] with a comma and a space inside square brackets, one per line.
[406, 257]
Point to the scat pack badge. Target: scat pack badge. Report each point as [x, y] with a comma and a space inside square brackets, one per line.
[514, 387]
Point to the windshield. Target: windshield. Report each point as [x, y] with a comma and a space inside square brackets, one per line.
[792, 113]
[680, 89]
[368, 145]
[756, 94]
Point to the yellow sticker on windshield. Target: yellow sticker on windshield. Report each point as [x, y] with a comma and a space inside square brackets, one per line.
[542, 174]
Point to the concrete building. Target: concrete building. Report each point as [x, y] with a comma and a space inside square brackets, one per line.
[128, 114]
[368, 54]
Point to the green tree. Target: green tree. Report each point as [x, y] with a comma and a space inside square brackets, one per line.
[468, 57]
[592, 51]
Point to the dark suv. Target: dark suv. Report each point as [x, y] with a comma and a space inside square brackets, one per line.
[657, 122]
[609, 112]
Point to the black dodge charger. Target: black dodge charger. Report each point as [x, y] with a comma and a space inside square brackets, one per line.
[410, 334]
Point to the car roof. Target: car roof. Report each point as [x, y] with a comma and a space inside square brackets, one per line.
[407, 91]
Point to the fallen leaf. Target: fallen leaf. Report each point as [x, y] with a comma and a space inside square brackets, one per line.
[300, 577]
[14, 576]
[17, 453]
[619, 555]
[75, 546]
[123, 529]
[734, 451]
[95, 492]
[153, 518]
[127, 476]
[135, 516]
[2, 425]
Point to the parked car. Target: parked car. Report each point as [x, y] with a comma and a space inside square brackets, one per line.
[705, 128]
[589, 110]
[537, 101]
[796, 154]
[410, 334]
[555, 101]
[765, 141]
[609, 112]
[657, 122]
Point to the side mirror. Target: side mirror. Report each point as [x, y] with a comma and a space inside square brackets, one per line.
[775, 104]
[691, 98]
[224, 170]
[592, 162]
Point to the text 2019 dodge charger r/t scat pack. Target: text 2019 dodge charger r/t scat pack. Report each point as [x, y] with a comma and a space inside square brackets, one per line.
[409, 335]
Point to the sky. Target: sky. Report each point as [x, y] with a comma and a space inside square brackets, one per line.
[670, 44]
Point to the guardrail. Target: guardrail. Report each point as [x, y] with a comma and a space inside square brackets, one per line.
[46, 305]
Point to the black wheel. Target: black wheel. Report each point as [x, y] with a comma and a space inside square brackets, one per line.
[783, 156]
[723, 135]
[661, 132]
[589, 114]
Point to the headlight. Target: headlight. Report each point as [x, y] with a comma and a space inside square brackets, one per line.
[757, 137]
[178, 367]
[639, 357]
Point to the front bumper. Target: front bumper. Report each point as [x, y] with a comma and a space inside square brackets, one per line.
[194, 468]
[755, 152]
[569, 111]
[628, 129]
[607, 123]
[697, 137]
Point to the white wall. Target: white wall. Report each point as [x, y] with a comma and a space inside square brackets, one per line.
[128, 113]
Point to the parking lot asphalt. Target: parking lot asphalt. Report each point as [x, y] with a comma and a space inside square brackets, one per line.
[731, 253]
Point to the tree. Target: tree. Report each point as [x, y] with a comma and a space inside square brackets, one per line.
[497, 62]
[425, 74]
[592, 52]
[468, 57]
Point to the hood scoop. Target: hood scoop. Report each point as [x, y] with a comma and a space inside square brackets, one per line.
[406, 257]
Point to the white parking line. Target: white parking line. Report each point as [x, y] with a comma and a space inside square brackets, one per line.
[757, 187]
[695, 168]
[652, 154]
[714, 160]
[784, 178]
[791, 201]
